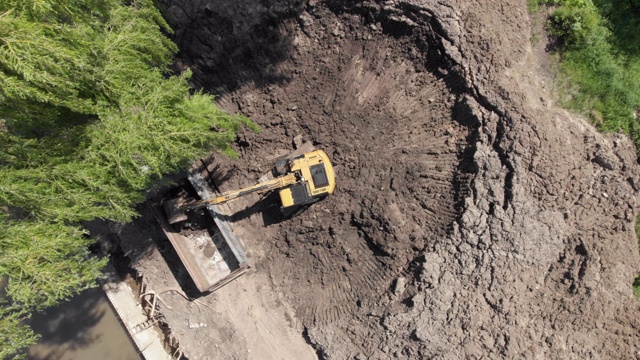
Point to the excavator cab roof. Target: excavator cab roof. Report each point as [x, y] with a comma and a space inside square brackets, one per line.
[318, 179]
[316, 167]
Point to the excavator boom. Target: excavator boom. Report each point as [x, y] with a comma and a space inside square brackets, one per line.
[300, 181]
[176, 210]
[265, 186]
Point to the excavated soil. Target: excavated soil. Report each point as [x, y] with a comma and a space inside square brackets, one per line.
[472, 218]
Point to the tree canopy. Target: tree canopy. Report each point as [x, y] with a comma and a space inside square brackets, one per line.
[90, 117]
[599, 45]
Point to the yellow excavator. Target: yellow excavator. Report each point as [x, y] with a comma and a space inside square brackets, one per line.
[300, 181]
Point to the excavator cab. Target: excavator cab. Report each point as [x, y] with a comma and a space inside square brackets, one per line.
[317, 181]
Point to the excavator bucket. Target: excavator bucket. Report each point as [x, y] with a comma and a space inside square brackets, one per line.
[174, 211]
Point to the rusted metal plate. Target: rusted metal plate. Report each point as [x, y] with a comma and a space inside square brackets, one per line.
[218, 214]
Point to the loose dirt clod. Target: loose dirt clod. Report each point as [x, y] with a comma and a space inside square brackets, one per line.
[452, 175]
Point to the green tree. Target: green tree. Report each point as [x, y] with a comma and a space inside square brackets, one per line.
[600, 60]
[12, 335]
[90, 117]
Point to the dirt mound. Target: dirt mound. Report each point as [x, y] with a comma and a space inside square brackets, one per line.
[471, 217]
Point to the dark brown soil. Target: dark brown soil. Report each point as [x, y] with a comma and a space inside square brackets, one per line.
[471, 218]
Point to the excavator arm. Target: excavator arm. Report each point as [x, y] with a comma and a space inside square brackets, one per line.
[277, 183]
[176, 209]
[301, 180]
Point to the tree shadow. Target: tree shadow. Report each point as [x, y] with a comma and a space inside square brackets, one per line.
[231, 43]
[66, 326]
[143, 235]
[177, 267]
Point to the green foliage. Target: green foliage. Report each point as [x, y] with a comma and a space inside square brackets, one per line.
[90, 118]
[601, 70]
[577, 26]
[13, 336]
[623, 18]
[45, 64]
[533, 5]
[51, 259]
[61, 12]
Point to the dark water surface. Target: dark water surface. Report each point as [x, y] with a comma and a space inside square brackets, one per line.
[86, 327]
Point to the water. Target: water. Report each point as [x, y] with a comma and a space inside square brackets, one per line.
[85, 327]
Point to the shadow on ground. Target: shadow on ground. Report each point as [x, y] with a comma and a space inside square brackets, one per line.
[230, 44]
